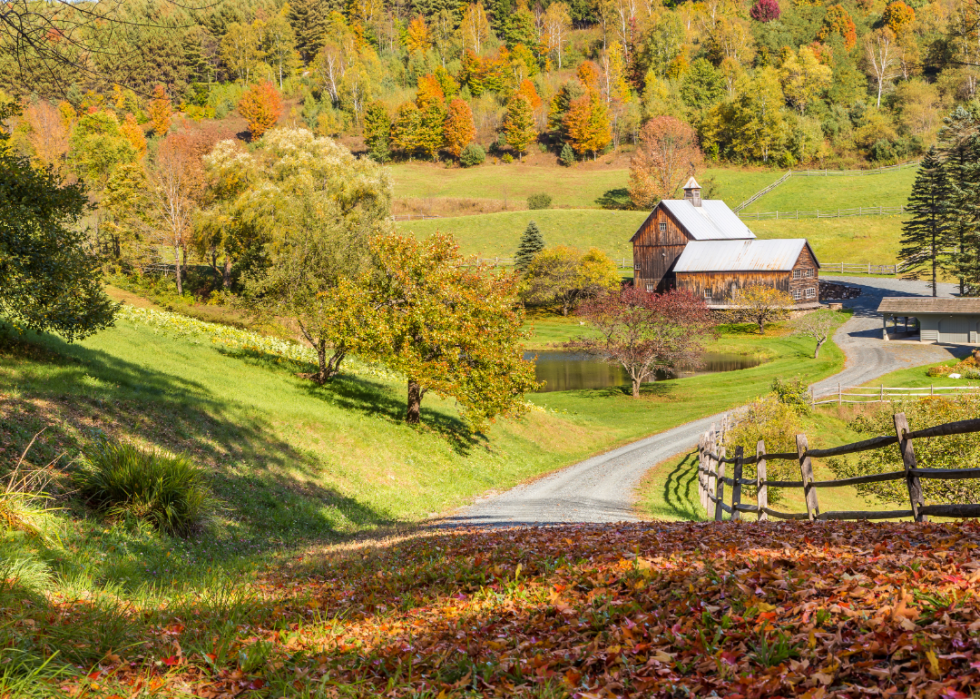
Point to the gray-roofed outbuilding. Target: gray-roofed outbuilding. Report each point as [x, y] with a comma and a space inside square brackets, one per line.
[741, 256]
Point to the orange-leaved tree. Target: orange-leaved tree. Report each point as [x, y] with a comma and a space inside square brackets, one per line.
[451, 328]
[519, 124]
[668, 153]
[261, 106]
[458, 129]
[160, 111]
[587, 124]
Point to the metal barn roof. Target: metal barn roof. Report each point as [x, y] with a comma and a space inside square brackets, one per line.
[713, 220]
[740, 256]
[911, 305]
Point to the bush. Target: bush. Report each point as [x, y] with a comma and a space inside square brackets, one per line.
[507, 158]
[777, 424]
[123, 481]
[795, 393]
[539, 201]
[472, 155]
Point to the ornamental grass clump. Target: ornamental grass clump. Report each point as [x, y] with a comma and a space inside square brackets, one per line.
[125, 482]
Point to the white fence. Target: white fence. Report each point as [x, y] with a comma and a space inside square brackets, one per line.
[886, 394]
[831, 213]
[858, 268]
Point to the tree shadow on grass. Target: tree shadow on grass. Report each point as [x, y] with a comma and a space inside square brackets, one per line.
[618, 198]
[78, 395]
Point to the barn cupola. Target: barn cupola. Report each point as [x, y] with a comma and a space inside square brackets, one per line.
[692, 192]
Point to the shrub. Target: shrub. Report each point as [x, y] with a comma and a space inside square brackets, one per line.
[539, 201]
[507, 158]
[472, 155]
[941, 370]
[795, 393]
[777, 424]
[124, 481]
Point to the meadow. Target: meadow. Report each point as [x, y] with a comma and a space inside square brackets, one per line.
[806, 193]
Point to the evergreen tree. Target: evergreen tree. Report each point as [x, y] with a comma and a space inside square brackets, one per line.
[567, 157]
[956, 145]
[377, 131]
[965, 217]
[925, 236]
[309, 21]
[532, 242]
[519, 125]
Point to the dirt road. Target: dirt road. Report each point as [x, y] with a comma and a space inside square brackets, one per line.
[600, 489]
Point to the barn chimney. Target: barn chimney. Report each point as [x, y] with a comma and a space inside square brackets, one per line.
[692, 192]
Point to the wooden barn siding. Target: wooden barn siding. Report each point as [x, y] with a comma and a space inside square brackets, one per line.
[650, 264]
[805, 261]
[721, 283]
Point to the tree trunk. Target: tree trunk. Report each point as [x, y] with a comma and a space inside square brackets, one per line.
[180, 281]
[226, 273]
[816, 352]
[320, 377]
[762, 326]
[636, 388]
[414, 402]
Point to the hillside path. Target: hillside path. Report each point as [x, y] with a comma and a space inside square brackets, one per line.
[600, 489]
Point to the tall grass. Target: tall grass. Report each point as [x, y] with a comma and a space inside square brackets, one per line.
[123, 481]
[21, 495]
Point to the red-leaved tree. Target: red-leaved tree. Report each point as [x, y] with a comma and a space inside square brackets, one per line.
[645, 332]
[667, 154]
[765, 10]
[261, 107]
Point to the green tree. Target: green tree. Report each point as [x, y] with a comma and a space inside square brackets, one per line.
[377, 131]
[567, 155]
[309, 25]
[532, 242]
[49, 280]
[702, 86]
[406, 129]
[519, 124]
[316, 207]
[957, 145]
[925, 235]
[452, 329]
[563, 276]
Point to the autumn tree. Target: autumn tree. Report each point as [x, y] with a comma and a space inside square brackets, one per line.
[765, 11]
[645, 333]
[474, 29]
[587, 125]
[805, 79]
[761, 304]
[133, 132]
[417, 36]
[450, 328]
[519, 124]
[47, 136]
[881, 54]
[667, 154]
[160, 111]
[261, 106]
[458, 130]
[838, 21]
[556, 25]
[563, 276]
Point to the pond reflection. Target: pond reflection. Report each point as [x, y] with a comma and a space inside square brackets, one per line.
[568, 371]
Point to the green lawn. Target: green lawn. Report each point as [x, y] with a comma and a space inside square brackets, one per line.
[582, 186]
[492, 235]
[891, 188]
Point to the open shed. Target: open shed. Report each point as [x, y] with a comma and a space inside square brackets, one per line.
[946, 321]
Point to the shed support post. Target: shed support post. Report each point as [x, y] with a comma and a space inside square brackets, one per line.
[908, 460]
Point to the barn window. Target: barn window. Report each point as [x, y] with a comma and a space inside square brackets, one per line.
[650, 288]
[808, 273]
[811, 292]
[707, 293]
[797, 273]
[663, 227]
[796, 294]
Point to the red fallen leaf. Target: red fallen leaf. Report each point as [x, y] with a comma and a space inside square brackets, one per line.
[950, 693]
[172, 661]
[256, 684]
[94, 675]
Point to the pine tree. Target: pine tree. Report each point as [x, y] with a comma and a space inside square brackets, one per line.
[532, 242]
[377, 131]
[567, 156]
[965, 218]
[958, 151]
[925, 236]
[309, 23]
[519, 125]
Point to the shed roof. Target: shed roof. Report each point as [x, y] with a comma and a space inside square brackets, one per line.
[713, 220]
[692, 184]
[741, 255]
[922, 304]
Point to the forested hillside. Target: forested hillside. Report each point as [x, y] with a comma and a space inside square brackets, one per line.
[777, 82]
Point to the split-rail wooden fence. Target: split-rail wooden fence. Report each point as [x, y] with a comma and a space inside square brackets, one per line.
[712, 480]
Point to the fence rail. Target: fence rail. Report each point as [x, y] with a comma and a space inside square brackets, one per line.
[712, 479]
[832, 213]
[413, 217]
[858, 268]
[761, 192]
[886, 394]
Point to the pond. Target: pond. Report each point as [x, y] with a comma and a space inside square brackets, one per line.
[567, 371]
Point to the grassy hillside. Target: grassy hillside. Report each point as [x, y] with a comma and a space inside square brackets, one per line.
[582, 186]
[875, 239]
[498, 234]
[889, 188]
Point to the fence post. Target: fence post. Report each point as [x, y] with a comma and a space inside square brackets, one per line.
[720, 485]
[701, 442]
[709, 482]
[806, 470]
[737, 483]
[840, 396]
[908, 459]
[932, 389]
[761, 489]
[881, 395]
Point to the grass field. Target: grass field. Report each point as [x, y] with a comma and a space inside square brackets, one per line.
[889, 188]
[582, 186]
[874, 239]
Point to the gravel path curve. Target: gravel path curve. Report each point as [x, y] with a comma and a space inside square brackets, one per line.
[600, 489]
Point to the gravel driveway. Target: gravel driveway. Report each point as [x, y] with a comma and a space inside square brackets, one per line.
[600, 489]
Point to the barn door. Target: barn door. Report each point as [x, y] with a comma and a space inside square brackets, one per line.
[954, 330]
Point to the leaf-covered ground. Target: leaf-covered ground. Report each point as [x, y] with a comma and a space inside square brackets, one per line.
[637, 610]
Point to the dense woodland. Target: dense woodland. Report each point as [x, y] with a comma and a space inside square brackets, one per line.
[778, 82]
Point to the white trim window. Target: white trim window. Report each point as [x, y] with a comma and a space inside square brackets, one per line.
[707, 293]
[797, 273]
[650, 288]
[663, 226]
[797, 295]
[811, 293]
